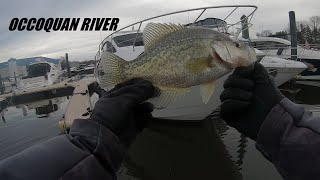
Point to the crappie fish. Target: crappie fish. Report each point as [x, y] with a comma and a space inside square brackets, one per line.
[177, 58]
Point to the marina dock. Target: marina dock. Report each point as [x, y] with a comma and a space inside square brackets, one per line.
[79, 107]
[64, 88]
[79, 104]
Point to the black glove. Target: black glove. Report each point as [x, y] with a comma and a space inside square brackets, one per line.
[249, 96]
[97, 89]
[123, 110]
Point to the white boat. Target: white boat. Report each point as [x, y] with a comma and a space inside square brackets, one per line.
[129, 45]
[278, 47]
[40, 74]
[282, 69]
[86, 74]
[86, 71]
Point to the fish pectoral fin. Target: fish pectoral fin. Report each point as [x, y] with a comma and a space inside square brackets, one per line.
[206, 91]
[153, 32]
[167, 96]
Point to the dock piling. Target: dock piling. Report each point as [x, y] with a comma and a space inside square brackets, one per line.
[68, 66]
[293, 34]
[1, 86]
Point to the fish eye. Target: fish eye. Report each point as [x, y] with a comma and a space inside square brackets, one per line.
[237, 45]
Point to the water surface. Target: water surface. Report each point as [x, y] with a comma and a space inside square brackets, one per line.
[209, 149]
[27, 124]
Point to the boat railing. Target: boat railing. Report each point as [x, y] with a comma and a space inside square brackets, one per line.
[190, 17]
[315, 47]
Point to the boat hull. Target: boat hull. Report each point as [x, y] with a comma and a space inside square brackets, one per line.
[285, 74]
[285, 69]
[191, 106]
[304, 55]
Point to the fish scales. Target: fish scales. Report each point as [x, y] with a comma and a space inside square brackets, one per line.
[165, 63]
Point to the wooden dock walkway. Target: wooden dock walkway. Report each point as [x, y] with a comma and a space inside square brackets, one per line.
[79, 107]
[62, 84]
[64, 88]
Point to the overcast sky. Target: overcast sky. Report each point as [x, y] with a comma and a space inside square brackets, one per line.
[271, 14]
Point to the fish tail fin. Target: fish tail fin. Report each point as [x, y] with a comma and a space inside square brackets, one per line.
[111, 71]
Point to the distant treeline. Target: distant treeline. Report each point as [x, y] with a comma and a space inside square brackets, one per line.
[307, 31]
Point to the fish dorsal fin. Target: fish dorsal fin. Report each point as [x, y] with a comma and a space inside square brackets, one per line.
[153, 32]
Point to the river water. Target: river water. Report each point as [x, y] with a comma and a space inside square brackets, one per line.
[28, 124]
[209, 149]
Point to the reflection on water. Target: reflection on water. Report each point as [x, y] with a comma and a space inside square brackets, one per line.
[236, 145]
[250, 163]
[42, 108]
[27, 124]
[179, 151]
[204, 150]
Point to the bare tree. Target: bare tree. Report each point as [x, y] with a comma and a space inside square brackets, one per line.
[314, 22]
[264, 33]
[301, 25]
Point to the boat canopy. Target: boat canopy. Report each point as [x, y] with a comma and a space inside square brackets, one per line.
[36, 70]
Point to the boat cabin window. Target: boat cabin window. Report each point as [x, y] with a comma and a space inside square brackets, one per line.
[37, 70]
[109, 47]
[129, 39]
[268, 45]
[86, 71]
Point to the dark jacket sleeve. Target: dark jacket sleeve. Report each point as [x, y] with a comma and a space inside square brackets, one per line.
[290, 139]
[89, 151]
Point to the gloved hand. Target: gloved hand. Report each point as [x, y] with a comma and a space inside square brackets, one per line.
[123, 110]
[97, 89]
[249, 96]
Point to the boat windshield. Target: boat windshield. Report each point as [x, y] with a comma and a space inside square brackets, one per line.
[86, 71]
[36, 70]
[129, 39]
[214, 23]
